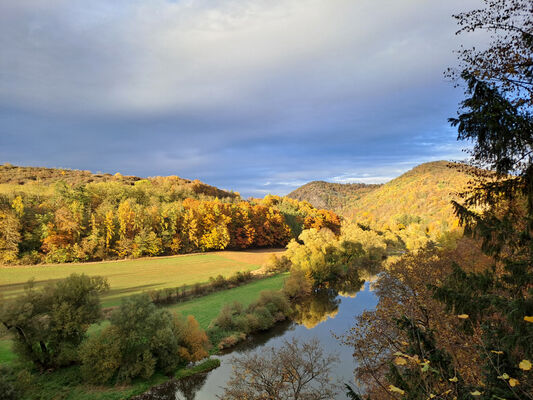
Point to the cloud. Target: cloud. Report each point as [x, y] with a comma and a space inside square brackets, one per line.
[236, 92]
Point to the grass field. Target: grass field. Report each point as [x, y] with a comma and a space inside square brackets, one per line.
[6, 355]
[206, 308]
[129, 277]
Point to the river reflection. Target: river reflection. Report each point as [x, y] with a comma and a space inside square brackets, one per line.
[329, 311]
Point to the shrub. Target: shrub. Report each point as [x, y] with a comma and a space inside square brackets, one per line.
[275, 301]
[101, 356]
[219, 282]
[155, 296]
[224, 319]
[198, 289]
[298, 284]
[231, 340]
[276, 264]
[9, 387]
[193, 341]
[168, 295]
[264, 317]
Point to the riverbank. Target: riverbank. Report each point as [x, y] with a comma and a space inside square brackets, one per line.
[204, 308]
[67, 384]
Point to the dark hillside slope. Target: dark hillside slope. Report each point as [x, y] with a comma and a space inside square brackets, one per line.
[333, 196]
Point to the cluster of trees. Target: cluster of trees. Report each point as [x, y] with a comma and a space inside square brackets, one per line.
[332, 196]
[322, 264]
[326, 259]
[49, 328]
[141, 339]
[41, 180]
[109, 220]
[417, 206]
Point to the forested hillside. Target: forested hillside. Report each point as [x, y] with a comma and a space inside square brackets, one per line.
[417, 204]
[12, 177]
[422, 195]
[84, 217]
[333, 196]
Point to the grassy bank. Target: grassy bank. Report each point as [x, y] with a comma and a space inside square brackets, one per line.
[129, 277]
[206, 308]
[67, 384]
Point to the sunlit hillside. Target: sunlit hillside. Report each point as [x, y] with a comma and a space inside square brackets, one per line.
[418, 200]
[37, 179]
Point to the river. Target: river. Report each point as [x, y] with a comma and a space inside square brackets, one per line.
[326, 313]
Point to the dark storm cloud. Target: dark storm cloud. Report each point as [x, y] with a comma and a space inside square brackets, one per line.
[252, 95]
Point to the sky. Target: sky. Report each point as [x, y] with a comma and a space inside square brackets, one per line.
[256, 96]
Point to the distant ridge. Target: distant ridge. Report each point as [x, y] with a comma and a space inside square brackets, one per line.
[31, 176]
[422, 195]
[331, 196]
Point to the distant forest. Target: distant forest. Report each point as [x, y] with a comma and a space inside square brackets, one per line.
[59, 215]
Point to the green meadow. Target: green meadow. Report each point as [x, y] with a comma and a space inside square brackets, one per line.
[130, 277]
[135, 276]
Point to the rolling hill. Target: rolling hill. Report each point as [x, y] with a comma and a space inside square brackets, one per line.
[28, 179]
[420, 196]
[333, 196]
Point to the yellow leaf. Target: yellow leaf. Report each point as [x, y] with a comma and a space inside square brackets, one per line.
[525, 365]
[454, 379]
[476, 393]
[504, 376]
[395, 389]
[528, 319]
[400, 361]
[463, 316]
[513, 382]
[496, 351]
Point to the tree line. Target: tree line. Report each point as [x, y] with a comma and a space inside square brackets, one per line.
[112, 220]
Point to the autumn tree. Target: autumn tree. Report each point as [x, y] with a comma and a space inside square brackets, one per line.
[495, 305]
[141, 339]
[9, 234]
[382, 338]
[49, 324]
[291, 372]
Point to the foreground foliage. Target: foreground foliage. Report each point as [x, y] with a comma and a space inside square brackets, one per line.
[295, 371]
[49, 324]
[487, 309]
[140, 340]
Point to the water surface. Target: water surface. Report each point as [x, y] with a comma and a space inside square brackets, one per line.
[327, 313]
